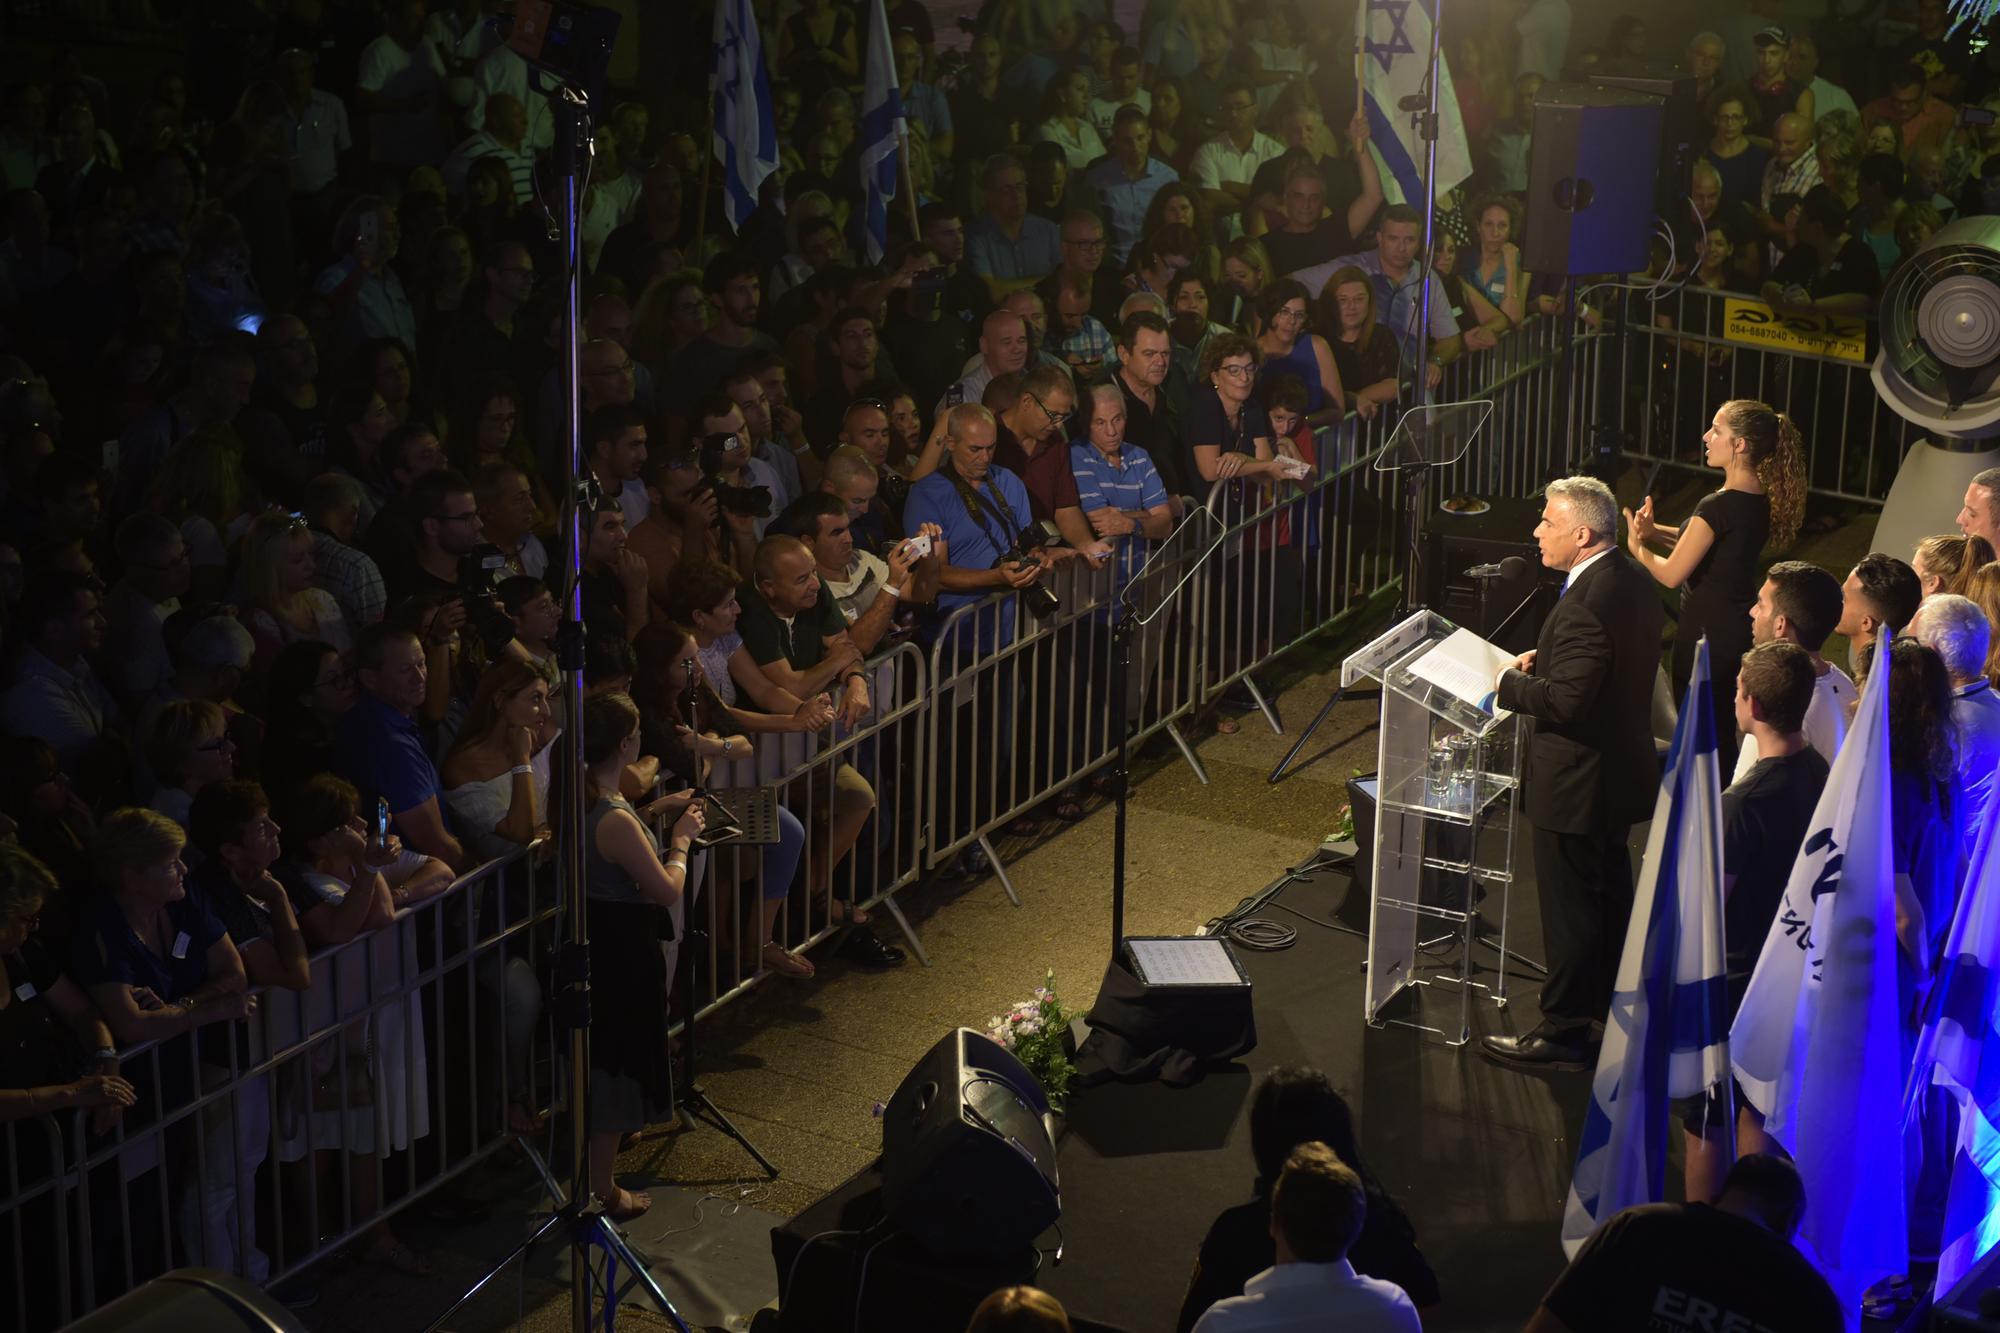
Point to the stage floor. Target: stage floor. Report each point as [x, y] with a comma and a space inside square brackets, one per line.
[1479, 1156]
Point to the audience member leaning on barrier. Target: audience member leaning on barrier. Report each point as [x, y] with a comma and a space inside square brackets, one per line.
[668, 664]
[41, 1074]
[365, 1093]
[159, 964]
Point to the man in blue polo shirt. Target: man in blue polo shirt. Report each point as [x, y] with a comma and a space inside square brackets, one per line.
[1127, 179]
[975, 540]
[1007, 245]
[381, 751]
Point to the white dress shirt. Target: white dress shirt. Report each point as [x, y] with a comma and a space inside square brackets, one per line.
[1313, 1298]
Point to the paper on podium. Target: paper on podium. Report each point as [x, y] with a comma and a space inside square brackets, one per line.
[1465, 665]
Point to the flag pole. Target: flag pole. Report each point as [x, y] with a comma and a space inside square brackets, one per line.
[701, 196]
[909, 182]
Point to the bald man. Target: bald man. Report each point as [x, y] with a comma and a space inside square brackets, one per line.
[505, 137]
[1793, 168]
[1003, 350]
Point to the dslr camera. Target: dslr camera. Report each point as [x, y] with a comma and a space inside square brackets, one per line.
[727, 450]
[479, 573]
[1033, 538]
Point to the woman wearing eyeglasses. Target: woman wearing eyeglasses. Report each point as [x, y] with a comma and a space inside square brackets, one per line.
[1282, 313]
[1738, 161]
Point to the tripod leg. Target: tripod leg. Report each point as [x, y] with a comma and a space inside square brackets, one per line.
[697, 1104]
[1279, 773]
[603, 1233]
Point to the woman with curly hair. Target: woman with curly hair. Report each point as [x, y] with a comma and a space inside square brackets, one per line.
[1713, 555]
[1179, 203]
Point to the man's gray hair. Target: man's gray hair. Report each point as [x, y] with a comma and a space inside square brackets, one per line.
[1707, 36]
[1141, 301]
[1591, 505]
[1956, 630]
[966, 415]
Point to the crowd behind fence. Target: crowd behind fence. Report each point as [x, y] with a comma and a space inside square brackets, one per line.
[396, 1069]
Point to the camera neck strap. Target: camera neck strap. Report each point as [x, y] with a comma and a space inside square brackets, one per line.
[976, 507]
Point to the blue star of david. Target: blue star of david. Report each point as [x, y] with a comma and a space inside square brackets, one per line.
[1399, 41]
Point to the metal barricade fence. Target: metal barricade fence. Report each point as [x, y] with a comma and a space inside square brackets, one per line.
[852, 807]
[1659, 370]
[261, 1145]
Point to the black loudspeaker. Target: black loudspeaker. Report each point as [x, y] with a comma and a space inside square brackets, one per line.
[1680, 125]
[1592, 165]
[968, 1164]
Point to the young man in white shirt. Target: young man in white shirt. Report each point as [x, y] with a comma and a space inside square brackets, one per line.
[1800, 603]
[1317, 1208]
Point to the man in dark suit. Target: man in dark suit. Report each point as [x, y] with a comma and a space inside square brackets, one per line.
[1592, 767]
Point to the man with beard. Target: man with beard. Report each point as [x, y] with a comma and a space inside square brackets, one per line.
[736, 296]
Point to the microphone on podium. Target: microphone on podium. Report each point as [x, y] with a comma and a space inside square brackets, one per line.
[1513, 567]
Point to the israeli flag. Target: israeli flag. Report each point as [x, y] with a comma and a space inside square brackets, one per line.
[1818, 1041]
[881, 134]
[1395, 42]
[1952, 1053]
[746, 136]
[1666, 1035]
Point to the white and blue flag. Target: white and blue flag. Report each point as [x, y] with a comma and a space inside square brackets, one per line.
[1395, 50]
[746, 135]
[1818, 1042]
[1667, 1033]
[881, 136]
[1957, 1051]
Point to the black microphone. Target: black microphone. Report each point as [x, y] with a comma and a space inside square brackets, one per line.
[1513, 567]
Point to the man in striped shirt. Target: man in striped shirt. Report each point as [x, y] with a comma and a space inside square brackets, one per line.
[505, 137]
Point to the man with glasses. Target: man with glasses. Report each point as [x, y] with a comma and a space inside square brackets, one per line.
[1075, 279]
[447, 530]
[1032, 442]
[1007, 245]
[1918, 117]
[154, 556]
[1127, 179]
[1224, 168]
[608, 375]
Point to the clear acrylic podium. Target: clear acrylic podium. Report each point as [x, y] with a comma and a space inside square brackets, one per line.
[1444, 827]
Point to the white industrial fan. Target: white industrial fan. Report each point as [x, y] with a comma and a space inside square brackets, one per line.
[1939, 367]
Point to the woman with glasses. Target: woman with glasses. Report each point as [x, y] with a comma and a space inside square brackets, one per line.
[188, 747]
[485, 427]
[1287, 345]
[311, 689]
[1738, 161]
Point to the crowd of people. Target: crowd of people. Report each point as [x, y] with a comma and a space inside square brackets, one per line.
[283, 461]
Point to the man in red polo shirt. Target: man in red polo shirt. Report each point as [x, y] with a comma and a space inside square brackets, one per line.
[1032, 444]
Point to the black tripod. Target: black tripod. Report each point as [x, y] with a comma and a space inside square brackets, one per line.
[688, 1096]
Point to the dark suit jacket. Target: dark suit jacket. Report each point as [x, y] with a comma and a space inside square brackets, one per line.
[1592, 765]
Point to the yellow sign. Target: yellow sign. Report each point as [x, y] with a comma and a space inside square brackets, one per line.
[1843, 337]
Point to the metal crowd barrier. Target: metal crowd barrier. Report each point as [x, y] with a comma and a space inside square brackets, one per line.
[297, 1129]
[1656, 370]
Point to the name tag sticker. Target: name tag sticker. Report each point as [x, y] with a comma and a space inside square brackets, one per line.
[181, 945]
[26, 991]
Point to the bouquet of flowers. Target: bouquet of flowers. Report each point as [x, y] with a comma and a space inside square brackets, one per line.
[1036, 1031]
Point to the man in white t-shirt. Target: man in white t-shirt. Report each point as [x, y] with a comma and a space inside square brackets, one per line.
[871, 591]
[400, 84]
[1800, 603]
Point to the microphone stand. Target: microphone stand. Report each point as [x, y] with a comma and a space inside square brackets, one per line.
[689, 1099]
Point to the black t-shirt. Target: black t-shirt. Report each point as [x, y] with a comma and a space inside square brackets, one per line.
[1765, 815]
[1239, 1246]
[1724, 584]
[1206, 423]
[1657, 1266]
[1854, 270]
[1369, 362]
[1158, 432]
[1337, 174]
[802, 643]
[1292, 251]
[35, 1051]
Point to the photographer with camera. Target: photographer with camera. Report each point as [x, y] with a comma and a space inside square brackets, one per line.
[685, 523]
[1031, 441]
[746, 487]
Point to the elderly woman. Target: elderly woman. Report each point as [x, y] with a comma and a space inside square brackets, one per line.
[159, 964]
